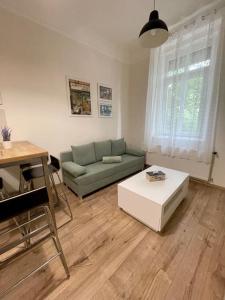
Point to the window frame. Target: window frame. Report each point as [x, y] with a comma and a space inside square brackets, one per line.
[169, 56]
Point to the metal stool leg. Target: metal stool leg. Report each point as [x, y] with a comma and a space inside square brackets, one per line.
[3, 193]
[27, 228]
[52, 234]
[6, 192]
[54, 187]
[23, 231]
[56, 240]
[1, 196]
[65, 196]
[21, 183]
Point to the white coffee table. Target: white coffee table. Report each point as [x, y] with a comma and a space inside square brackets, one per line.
[153, 203]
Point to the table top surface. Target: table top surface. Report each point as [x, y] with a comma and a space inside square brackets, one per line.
[157, 191]
[21, 150]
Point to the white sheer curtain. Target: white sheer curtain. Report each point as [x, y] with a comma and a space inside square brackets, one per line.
[183, 86]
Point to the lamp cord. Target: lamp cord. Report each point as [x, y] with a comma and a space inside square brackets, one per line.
[154, 4]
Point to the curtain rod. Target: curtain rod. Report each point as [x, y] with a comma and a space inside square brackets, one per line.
[202, 12]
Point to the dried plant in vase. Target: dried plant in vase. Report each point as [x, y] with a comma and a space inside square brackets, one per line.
[6, 136]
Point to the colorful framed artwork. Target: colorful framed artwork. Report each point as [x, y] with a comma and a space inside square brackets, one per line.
[80, 103]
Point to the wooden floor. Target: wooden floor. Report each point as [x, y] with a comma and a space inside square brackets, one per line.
[113, 256]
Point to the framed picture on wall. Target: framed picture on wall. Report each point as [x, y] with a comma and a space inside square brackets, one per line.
[104, 92]
[104, 109]
[79, 94]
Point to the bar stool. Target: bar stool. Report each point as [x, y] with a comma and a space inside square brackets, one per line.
[16, 206]
[37, 172]
[4, 195]
[24, 167]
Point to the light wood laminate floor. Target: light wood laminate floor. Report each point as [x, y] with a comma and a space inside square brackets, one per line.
[113, 256]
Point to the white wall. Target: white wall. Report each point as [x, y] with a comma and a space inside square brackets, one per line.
[138, 91]
[34, 62]
[137, 100]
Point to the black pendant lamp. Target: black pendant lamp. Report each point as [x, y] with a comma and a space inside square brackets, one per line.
[155, 32]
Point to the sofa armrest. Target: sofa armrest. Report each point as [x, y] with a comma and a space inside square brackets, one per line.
[136, 152]
[73, 168]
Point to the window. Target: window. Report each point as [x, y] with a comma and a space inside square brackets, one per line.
[186, 99]
[182, 96]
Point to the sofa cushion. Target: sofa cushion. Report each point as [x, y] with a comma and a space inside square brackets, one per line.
[111, 159]
[73, 168]
[118, 147]
[102, 149]
[84, 155]
[99, 171]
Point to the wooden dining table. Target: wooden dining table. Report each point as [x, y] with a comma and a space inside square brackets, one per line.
[22, 152]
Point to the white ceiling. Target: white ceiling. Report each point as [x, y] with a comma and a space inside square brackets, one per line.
[116, 22]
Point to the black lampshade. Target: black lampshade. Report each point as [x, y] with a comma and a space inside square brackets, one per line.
[155, 32]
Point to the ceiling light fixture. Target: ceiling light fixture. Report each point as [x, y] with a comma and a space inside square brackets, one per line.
[155, 32]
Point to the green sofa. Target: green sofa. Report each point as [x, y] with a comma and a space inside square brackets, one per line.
[83, 169]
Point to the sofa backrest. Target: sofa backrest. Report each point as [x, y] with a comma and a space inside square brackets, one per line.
[90, 153]
[118, 147]
[103, 148]
[84, 155]
[66, 156]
